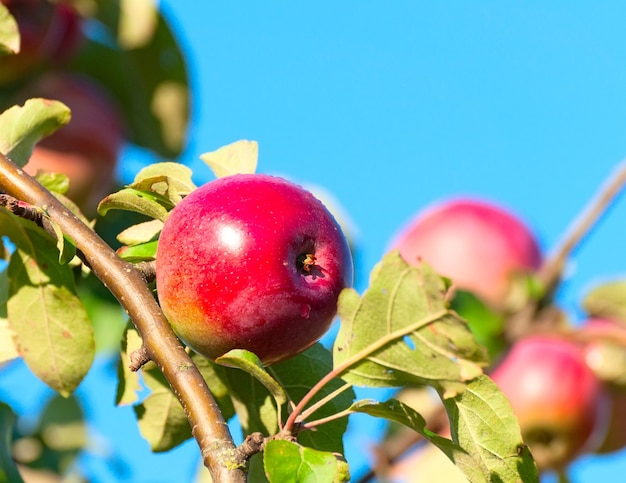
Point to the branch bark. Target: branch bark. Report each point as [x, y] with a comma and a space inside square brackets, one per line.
[128, 285]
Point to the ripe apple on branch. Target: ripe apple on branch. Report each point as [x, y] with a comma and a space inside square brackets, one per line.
[229, 286]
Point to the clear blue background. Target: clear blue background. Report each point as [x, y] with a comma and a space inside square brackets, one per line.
[391, 106]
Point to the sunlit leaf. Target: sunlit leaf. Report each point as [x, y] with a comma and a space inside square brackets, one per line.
[483, 424]
[285, 462]
[9, 33]
[607, 300]
[402, 332]
[22, 126]
[128, 199]
[55, 182]
[140, 233]
[238, 157]
[8, 349]
[162, 421]
[52, 330]
[169, 180]
[128, 384]
[8, 470]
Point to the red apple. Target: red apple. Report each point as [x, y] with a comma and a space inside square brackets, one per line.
[251, 262]
[558, 400]
[86, 149]
[50, 34]
[479, 245]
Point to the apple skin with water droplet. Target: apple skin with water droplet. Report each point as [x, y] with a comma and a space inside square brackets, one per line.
[251, 261]
[478, 244]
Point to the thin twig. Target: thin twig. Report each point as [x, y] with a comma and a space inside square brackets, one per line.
[552, 269]
[536, 315]
[314, 407]
[353, 360]
[127, 284]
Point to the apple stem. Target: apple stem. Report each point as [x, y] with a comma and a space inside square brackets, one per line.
[127, 284]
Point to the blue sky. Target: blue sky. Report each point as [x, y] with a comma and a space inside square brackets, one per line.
[394, 105]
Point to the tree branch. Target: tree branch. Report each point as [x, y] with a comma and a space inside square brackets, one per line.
[552, 269]
[127, 284]
[537, 315]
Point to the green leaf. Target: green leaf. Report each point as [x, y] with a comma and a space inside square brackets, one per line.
[22, 126]
[250, 363]
[52, 330]
[483, 424]
[394, 410]
[128, 384]
[170, 180]
[8, 349]
[238, 157]
[55, 182]
[143, 202]
[607, 301]
[8, 470]
[401, 332]
[254, 405]
[9, 33]
[145, 73]
[287, 462]
[486, 325]
[302, 372]
[139, 253]
[162, 421]
[140, 233]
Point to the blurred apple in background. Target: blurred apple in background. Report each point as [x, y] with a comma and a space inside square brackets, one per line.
[477, 244]
[50, 34]
[86, 149]
[559, 402]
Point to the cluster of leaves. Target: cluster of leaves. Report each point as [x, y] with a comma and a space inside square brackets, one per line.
[399, 332]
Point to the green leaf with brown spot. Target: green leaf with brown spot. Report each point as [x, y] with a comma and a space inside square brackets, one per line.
[52, 330]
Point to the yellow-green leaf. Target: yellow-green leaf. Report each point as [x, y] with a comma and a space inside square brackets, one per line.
[9, 33]
[22, 126]
[238, 157]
